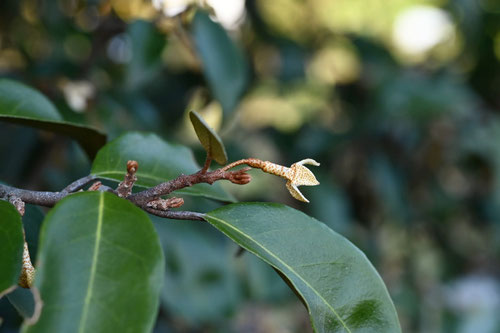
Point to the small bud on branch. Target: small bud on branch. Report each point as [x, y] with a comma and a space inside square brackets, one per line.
[95, 186]
[124, 189]
[166, 204]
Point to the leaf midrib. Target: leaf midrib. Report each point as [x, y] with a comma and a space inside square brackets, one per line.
[93, 269]
[287, 266]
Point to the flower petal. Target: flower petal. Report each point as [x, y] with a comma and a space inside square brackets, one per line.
[308, 161]
[302, 175]
[294, 191]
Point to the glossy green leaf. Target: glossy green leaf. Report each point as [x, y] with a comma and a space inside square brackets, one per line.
[99, 268]
[23, 105]
[159, 161]
[208, 138]
[11, 245]
[224, 65]
[342, 290]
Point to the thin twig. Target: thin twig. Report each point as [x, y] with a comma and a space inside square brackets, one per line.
[79, 184]
[208, 161]
[140, 199]
[143, 197]
[177, 215]
[47, 199]
[124, 189]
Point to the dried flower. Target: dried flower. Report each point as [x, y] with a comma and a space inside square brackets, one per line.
[296, 175]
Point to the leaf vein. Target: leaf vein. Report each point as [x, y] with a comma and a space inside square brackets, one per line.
[93, 269]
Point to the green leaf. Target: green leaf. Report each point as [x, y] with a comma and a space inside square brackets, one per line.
[159, 161]
[22, 299]
[11, 246]
[200, 284]
[147, 44]
[224, 65]
[208, 138]
[100, 267]
[342, 290]
[23, 105]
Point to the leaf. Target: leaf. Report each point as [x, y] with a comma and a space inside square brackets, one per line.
[342, 290]
[32, 221]
[23, 105]
[146, 44]
[100, 267]
[159, 161]
[22, 299]
[11, 246]
[224, 65]
[200, 283]
[208, 138]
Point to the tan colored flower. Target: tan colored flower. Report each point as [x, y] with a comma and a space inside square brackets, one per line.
[296, 175]
[299, 175]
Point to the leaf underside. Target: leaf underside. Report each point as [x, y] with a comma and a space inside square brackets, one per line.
[20, 104]
[208, 138]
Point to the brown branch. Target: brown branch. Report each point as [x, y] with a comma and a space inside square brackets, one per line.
[149, 200]
[165, 204]
[208, 161]
[237, 177]
[124, 189]
[180, 215]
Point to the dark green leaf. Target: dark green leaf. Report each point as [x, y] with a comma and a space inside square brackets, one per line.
[223, 63]
[200, 283]
[11, 245]
[147, 44]
[342, 290]
[32, 221]
[23, 105]
[159, 161]
[100, 267]
[208, 138]
[22, 299]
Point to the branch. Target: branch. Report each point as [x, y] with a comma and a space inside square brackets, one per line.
[47, 199]
[181, 215]
[124, 189]
[79, 184]
[148, 200]
[237, 177]
[43, 198]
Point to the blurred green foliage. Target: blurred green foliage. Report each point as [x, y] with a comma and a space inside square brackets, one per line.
[398, 100]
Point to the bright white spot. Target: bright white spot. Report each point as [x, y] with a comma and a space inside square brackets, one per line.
[420, 28]
[229, 13]
[171, 7]
[77, 93]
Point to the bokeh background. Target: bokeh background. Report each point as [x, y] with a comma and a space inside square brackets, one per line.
[398, 99]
